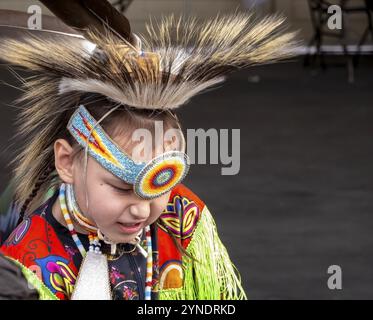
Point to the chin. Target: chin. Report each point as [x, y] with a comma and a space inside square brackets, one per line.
[124, 238]
[120, 238]
[116, 234]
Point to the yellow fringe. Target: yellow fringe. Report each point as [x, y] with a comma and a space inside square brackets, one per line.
[172, 294]
[213, 276]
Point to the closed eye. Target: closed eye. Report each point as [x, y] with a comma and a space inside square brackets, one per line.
[121, 190]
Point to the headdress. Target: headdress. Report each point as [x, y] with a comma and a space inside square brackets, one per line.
[177, 59]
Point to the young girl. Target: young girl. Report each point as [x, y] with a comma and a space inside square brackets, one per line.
[118, 223]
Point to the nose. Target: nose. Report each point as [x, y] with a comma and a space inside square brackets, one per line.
[140, 210]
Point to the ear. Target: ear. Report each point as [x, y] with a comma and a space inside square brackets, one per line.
[63, 157]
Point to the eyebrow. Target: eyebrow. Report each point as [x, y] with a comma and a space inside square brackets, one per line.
[114, 180]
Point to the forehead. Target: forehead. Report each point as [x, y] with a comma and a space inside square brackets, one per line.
[139, 151]
[142, 145]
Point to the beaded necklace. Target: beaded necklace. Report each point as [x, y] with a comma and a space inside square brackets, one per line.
[69, 205]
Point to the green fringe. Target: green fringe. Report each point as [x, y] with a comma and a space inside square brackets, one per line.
[35, 282]
[172, 294]
[213, 276]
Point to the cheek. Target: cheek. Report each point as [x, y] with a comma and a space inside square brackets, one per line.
[104, 206]
[158, 206]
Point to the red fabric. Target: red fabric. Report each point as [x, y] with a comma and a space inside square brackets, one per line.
[35, 244]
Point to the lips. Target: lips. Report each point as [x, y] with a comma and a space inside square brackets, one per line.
[130, 227]
[129, 224]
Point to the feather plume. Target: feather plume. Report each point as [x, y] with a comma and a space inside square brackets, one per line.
[86, 16]
[181, 58]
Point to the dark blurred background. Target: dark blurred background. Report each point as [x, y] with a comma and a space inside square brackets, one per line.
[302, 200]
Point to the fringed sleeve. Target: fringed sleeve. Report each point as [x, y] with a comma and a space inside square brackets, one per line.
[212, 276]
[208, 272]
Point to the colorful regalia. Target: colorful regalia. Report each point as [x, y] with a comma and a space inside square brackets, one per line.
[50, 260]
[176, 60]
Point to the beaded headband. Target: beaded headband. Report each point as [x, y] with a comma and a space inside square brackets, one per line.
[149, 180]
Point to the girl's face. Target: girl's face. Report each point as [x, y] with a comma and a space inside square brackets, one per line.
[113, 206]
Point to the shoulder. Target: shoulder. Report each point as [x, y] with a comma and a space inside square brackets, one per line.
[35, 246]
[31, 240]
[176, 227]
[18, 241]
[182, 191]
[183, 212]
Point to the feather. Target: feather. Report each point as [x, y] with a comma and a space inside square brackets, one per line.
[193, 56]
[181, 59]
[91, 15]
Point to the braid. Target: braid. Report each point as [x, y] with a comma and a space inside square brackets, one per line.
[41, 180]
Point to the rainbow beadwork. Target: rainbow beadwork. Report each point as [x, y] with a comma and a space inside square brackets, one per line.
[160, 173]
[149, 180]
